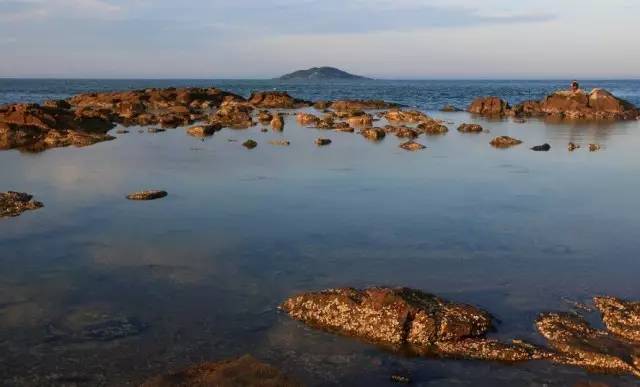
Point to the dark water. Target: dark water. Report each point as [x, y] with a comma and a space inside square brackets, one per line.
[198, 275]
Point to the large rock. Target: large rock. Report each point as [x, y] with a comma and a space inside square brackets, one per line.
[245, 371]
[505, 142]
[233, 115]
[351, 105]
[33, 127]
[361, 120]
[403, 318]
[597, 105]
[276, 99]
[373, 133]
[15, 203]
[489, 106]
[307, 119]
[409, 116]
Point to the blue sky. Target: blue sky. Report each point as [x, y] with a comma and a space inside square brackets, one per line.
[263, 38]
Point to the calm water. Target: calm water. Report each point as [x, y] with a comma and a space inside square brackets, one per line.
[199, 274]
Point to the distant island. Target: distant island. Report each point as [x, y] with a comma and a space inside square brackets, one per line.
[321, 73]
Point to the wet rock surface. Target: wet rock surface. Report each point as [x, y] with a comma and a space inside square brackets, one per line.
[505, 142]
[470, 128]
[233, 115]
[307, 119]
[489, 106]
[277, 123]
[412, 146]
[147, 195]
[433, 127]
[373, 133]
[15, 203]
[622, 318]
[204, 130]
[401, 131]
[244, 371]
[351, 105]
[322, 141]
[250, 144]
[276, 99]
[541, 148]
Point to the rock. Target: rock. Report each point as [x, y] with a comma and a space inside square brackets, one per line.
[505, 142]
[33, 127]
[373, 133]
[599, 104]
[351, 105]
[122, 131]
[527, 108]
[580, 345]
[322, 105]
[401, 131]
[594, 147]
[450, 109]
[245, 371]
[204, 130]
[470, 128]
[323, 141]
[403, 318]
[412, 146]
[433, 127]
[233, 115]
[360, 120]
[277, 123]
[250, 144]
[489, 106]
[280, 142]
[275, 100]
[307, 119]
[264, 130]
[15, 203]
[409, 116]
[622, 318]
[572, 147]
[156, 130]
[400, 379]
[343, 127]
[541, 148]
[147, 195]
[264, 116]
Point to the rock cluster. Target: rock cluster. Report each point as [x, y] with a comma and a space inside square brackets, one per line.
[505, 142]
[15, 203]
[276, 100]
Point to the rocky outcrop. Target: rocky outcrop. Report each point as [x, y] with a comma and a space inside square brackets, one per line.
[147, 195]
[622, 318]
[276, 100]
[204, 130]
[233, 115]
[406, 319]
[360, 120]
[505, 142]
[15, 203]
[277, 123]
[307, 119]
[470, 128]
[489, 106]
[245, 371]
[408, 116]
[433, 127]
[401, 131]
[375, 134]
[412, 146]
[353, 104]
[33, 127]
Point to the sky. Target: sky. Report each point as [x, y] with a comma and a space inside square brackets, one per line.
[389, 39]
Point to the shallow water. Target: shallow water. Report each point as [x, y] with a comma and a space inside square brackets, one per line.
[199, 274]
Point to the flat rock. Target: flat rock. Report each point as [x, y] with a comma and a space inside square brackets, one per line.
[250, 144]
[307, 119]
[504, 142]
[470, 128]
[412, 146]
[276, 99]
[409, 116]
[373, 133]
[433, 127]
[204, 130]
[15, 203]
[360, 120]
[245, 371]
[353, 104]
[147, 195]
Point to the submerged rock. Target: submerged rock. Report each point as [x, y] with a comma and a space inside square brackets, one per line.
[412, 146]
[489, 106]
[594, 147]
[470, 128]
[373, 133]
[250, 144]
[147, 195]
[280, 142]
[15, 203]
[323, 141]
[505, 142]
[83, 326]
[204, 130]
[156, 130]
[245, 371]
[450, 109]
[403, 318]
[572, 146]
[276, 99]
[541, 148]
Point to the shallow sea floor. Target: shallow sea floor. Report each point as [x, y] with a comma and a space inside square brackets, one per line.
[99, 290]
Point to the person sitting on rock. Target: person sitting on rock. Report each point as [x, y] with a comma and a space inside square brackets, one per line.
[575, 86]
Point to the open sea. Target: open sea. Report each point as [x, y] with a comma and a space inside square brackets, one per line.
[198, 276]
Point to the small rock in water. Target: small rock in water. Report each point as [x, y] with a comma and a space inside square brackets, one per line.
[400, 379]
[156, 130]
[470, 128]
[280, 142]
[264, 130]
[323, 141]
[122, 131]
[412, 146]
[505, 142]
[14, 203]
[250, 144]
[147, 195]
[277, 123]
[594, 147]
[203, 130]
[541, 148]
[572, 147]
[450, 108]
[373, 133]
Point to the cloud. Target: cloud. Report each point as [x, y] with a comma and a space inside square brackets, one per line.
[38, 10]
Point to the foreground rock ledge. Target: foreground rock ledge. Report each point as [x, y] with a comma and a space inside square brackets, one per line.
[15, 203]
[407, 319]
[245, 371]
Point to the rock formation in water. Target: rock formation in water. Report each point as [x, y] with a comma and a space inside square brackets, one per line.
[505, 142]
[470, 128]
[15, 203]
[275, 100]
[374, 134]
[346, 105]
[321, 73]
[147, 195]
[245, 371]
[599, 104]
[412, 146]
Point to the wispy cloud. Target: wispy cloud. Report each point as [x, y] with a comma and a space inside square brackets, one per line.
[34, 10]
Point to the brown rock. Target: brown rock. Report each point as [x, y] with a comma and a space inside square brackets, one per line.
[409, 116]
[233, 115]
[594, 147]
[351, 105]
[360, 120]
[147, 195]
[412, 146]
[245, 371]
[433, 127]
[343, 127]
[621, 317]
[277, 122]
[204, 130]
[307, 119]
[250, 144]
[276, 99]
[505, 142]
[264, 116]
[489, 106]
[280, 142]
[572, 147]
[401, 131]
[373, 133]
[450, 109]
[15, 203]
[470, 128]
[599, 104]
[323, 141]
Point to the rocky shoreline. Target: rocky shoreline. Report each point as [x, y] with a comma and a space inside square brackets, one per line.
[85, 119]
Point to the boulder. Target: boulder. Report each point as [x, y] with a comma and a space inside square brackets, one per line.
[470, 128]
[277, 123]
[233, 115]
[245, 371]
[373, 133]
[541, 148]
[401, 131]
[147, 195]
[360, 120]
[433, 127]
[505, 142]
[276, 100]
[599, 104]
[15, 203]
[594, 147]
[204, 130]
[412, 146]
[307, 119]
[409, 116]
[489, 106]
[264, 116]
